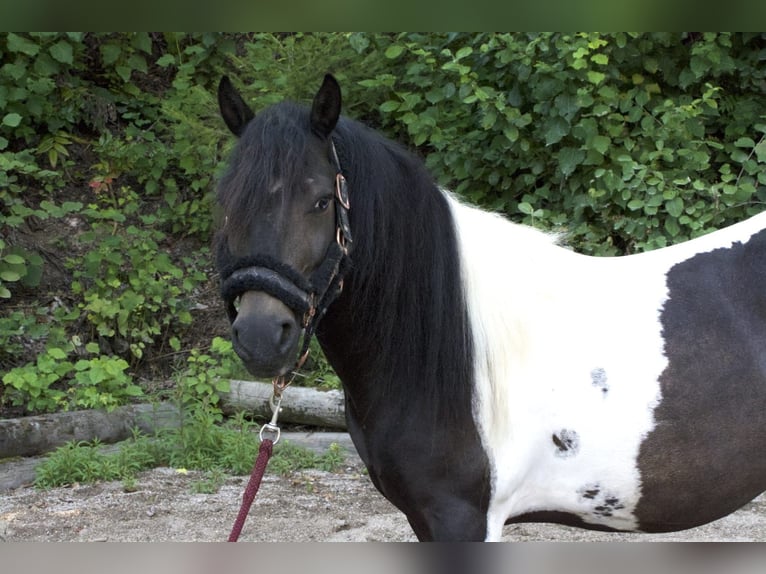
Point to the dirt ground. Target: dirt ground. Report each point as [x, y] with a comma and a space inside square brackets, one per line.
[309, 506]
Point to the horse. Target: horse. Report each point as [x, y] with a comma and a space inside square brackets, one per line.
[491, 374]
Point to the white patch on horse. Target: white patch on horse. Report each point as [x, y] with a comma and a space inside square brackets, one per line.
[541, 317]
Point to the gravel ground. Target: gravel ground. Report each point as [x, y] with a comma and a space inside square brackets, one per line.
[309, 506]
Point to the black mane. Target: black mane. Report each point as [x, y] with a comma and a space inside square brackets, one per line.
[405, 302]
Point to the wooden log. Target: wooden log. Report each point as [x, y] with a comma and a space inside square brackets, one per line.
[34, 435]
[300, 405]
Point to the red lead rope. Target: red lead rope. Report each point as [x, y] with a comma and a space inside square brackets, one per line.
[264, 453]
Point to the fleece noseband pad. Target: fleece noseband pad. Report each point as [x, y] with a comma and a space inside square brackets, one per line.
[267, 275]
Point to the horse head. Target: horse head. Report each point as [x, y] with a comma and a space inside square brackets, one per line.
[285, 227]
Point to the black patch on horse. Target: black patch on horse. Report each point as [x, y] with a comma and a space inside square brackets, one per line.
[709, 425]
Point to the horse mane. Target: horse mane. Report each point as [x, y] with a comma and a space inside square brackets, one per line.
[405, 293]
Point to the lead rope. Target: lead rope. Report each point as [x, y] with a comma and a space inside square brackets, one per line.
[256, 476]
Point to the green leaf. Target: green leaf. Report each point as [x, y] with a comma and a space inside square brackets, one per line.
[57, 353]
[62, 52]
[601, 144]
[675, 207]
[556, 129]
[463, 52]
[142, 41]
[635, 204]
[110, 53]
[672, 227]
[12, 120]
[569, 159]
[17, 43]
[595, 77]
[124, 72]
[13, 259]
[526, 208]
[698, 66]
[760, 151]
[389, 106]
[10, 276]
[166, 60]
[601, 59]
[394, 51]
[745, 142]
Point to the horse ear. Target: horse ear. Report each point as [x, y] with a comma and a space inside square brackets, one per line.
[234, 110]
[325, 110]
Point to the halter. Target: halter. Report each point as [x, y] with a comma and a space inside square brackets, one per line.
[308, 298]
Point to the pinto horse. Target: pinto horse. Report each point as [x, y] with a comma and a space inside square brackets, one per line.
[492, 376]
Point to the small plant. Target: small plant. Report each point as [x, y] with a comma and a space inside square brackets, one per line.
[289, 458]
[84, 462]
[75, 462]
[211, 483]
[32, 384]
[207, 374]
[53, 382]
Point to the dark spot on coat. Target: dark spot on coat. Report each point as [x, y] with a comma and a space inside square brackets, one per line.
[567, 443]
[590, 492]
[598, 377]
[605, 504]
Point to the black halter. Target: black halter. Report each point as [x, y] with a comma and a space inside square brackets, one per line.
[309, 298]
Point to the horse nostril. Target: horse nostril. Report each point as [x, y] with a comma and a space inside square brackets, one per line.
[287, 336]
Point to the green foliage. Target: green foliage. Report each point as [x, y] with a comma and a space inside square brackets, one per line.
[132, 292]
[100, 382]
[627, 142]
[624, 142]
[84, 462]
[207, 374]
[289, 458]
[201, 444]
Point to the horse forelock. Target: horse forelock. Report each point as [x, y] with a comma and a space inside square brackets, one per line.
[269, 158]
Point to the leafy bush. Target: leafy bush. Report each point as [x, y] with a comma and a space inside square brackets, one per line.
[112, 141]
[100, 382]
[628, 142]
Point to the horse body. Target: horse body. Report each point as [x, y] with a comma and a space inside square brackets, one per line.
[574, 353]
[492, 376]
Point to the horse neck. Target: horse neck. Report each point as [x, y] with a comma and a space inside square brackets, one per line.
[400, 329]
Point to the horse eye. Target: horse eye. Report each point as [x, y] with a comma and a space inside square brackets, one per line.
[322, 204]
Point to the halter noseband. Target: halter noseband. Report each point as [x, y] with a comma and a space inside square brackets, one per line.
[308, 298]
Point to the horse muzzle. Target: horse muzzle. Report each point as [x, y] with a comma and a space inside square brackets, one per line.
[265, 334]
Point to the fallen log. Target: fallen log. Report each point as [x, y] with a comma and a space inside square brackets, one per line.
[38, 434]
[300, 405]
[34, 435]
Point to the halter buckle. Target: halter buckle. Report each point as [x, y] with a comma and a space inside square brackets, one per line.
[341, 191]
[340, 239]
